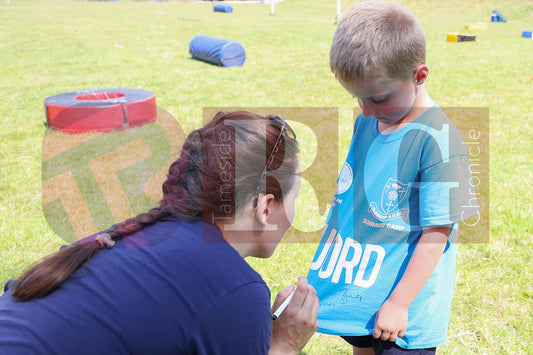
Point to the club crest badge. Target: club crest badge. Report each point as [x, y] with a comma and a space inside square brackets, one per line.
[345, 179]
[392, 196]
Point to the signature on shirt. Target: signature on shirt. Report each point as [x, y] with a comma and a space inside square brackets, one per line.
[347, 297]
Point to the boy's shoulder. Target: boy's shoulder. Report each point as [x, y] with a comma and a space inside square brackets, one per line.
[438, 125]
[435, 115]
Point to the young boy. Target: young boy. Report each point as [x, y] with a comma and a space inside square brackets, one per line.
[384, 270]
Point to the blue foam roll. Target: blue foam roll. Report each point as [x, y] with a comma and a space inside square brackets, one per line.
[223, 8]
[527, 34]
[217, 51]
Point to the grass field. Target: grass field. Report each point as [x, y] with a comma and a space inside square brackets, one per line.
[47, 48]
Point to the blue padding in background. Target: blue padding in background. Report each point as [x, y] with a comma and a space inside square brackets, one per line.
[217, 51]
[223, 8]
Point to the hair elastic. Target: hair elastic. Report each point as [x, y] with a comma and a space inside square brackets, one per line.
[104, 240]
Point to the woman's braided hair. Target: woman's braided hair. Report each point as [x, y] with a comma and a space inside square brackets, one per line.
[217, 173]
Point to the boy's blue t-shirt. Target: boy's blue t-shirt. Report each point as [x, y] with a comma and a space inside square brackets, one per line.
[389, 188]
[173, 288]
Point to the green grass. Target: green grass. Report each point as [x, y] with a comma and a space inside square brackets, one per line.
[47, 48]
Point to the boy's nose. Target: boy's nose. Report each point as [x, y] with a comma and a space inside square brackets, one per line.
[367, 108]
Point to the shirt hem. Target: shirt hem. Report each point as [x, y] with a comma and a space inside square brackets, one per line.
[398, 342]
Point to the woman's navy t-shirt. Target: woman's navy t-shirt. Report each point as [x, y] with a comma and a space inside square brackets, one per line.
[173, 288]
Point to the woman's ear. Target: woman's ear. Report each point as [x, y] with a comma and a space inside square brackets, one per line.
[264, 208]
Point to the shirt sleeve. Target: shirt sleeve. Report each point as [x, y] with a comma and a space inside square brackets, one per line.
[240, 323]
[447, 195]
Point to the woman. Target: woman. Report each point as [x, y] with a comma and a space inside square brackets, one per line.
[174, 280]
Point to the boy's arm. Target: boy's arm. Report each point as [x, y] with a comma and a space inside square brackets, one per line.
[391, 320]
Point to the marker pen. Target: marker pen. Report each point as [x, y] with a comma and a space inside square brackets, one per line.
[283, 306]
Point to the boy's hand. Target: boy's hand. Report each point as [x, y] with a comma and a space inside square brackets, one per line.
[391, 321]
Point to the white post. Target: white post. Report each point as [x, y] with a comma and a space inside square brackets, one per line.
[338, 7]
[272, 5]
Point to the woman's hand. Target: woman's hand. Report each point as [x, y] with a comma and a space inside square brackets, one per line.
[294, 327]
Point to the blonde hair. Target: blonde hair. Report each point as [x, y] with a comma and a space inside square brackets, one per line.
[377, 39]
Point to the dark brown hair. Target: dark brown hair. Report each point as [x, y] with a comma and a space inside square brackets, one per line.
[218, 172]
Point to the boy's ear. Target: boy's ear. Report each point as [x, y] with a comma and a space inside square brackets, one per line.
[264, 208]
[420, 72]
